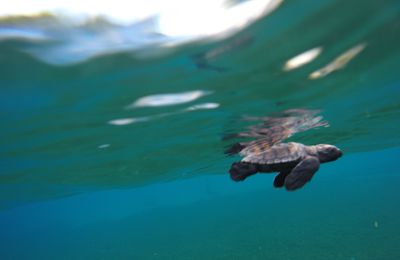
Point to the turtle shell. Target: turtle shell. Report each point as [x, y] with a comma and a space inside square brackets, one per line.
[260, 152]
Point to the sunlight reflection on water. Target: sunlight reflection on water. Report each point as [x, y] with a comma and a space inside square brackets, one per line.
[169, 99]
[127, 121]
[71, 33]
[339, 62]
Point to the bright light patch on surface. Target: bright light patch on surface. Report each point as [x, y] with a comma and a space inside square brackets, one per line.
[126, 121]
[338, 63]
[302, 59]
[169, 99]
[210, 17]
[203, 106]
[84, 30]
[177, 17]
[120, 11]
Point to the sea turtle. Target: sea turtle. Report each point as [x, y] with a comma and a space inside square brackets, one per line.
[295, 162]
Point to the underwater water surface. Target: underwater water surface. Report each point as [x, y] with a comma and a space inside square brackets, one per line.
[120, 154]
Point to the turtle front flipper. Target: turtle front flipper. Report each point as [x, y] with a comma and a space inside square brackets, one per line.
[302, 173]
[240, 171]
[279, 180]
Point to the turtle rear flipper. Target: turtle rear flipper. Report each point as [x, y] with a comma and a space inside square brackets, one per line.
[240, 171]
[302, 173]
[279, 180]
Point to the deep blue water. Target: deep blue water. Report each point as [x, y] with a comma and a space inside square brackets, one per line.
[349, 211]
[111, 151]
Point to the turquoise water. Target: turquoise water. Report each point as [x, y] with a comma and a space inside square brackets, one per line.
[90, 169]
[348, 211]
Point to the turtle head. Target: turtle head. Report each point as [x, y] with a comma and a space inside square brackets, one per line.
[327, 152]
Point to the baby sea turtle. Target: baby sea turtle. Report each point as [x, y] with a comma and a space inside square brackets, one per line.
[295, 162]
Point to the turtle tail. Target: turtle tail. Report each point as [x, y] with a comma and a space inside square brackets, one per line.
[240, 171]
